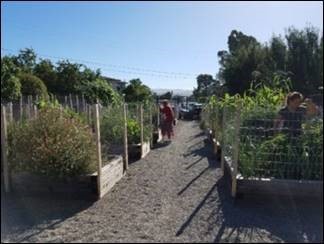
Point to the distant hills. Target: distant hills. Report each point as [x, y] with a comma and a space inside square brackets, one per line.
[180, 92]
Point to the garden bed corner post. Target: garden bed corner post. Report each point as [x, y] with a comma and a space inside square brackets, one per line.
[236, 149]
[98, 145]
[142, 130]
[125, 139]
[223, 140]
[4, 149]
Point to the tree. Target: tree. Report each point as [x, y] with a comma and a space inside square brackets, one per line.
[303, 59]
[99, 89]
[26, 60]
[205, 83]
[278, 52]
[10, 85]
[137, 92]
[45, 70]
[69, 77]
[167, 95]
[299, 59]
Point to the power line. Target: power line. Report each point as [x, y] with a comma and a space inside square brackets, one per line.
[147, 72]
[115, 44]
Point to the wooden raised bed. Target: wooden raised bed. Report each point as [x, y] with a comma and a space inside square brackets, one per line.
[157, 136]
[137, 151]
[81, 186]
[270, 186]
[300, 188]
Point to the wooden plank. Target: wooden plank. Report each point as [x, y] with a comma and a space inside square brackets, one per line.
[4, 149]
[111, 174]
[98, 146]
[280, 187]
[145, 149]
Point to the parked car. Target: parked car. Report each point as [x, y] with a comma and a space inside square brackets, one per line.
[191, 110]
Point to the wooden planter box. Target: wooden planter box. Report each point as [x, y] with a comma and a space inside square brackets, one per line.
[76, 187]
[300, 188]
[268, 186]
[137, 151]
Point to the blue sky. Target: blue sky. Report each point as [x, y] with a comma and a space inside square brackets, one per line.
[165, 44]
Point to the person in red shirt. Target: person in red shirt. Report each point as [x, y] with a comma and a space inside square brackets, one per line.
[167, 120]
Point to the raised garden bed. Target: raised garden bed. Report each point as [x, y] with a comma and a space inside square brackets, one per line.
[157, 136]
[75, 187]
[137, 151]
[271, 186]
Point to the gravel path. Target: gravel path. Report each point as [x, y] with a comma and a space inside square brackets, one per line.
[175, 194]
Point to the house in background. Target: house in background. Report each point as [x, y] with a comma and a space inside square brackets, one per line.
[118, 85]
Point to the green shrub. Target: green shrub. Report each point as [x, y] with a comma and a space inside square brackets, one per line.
[10, 89]
[32, 85]
[52, 145]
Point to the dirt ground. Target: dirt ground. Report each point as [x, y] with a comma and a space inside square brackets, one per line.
[176, 194]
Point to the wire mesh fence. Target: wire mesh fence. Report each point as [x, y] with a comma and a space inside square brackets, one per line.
[267, 148]
[112, 130]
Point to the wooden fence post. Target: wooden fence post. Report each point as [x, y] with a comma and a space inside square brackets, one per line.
[61, 111]
[125, 139]
[65, 101]
[29, 99]
[35, 111]
[83, 104]
[21, 108]
[10, 112]
[89, 114]
[98, 144]
[71, 102]
[223, 140]
[4, 149]
[151, 125]
[158, 116]
[142, 130]
[236, 149]
[77, 104]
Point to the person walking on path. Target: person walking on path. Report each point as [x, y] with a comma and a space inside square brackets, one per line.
[167, 120]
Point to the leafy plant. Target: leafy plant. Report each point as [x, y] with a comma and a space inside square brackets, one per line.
[53, 144]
